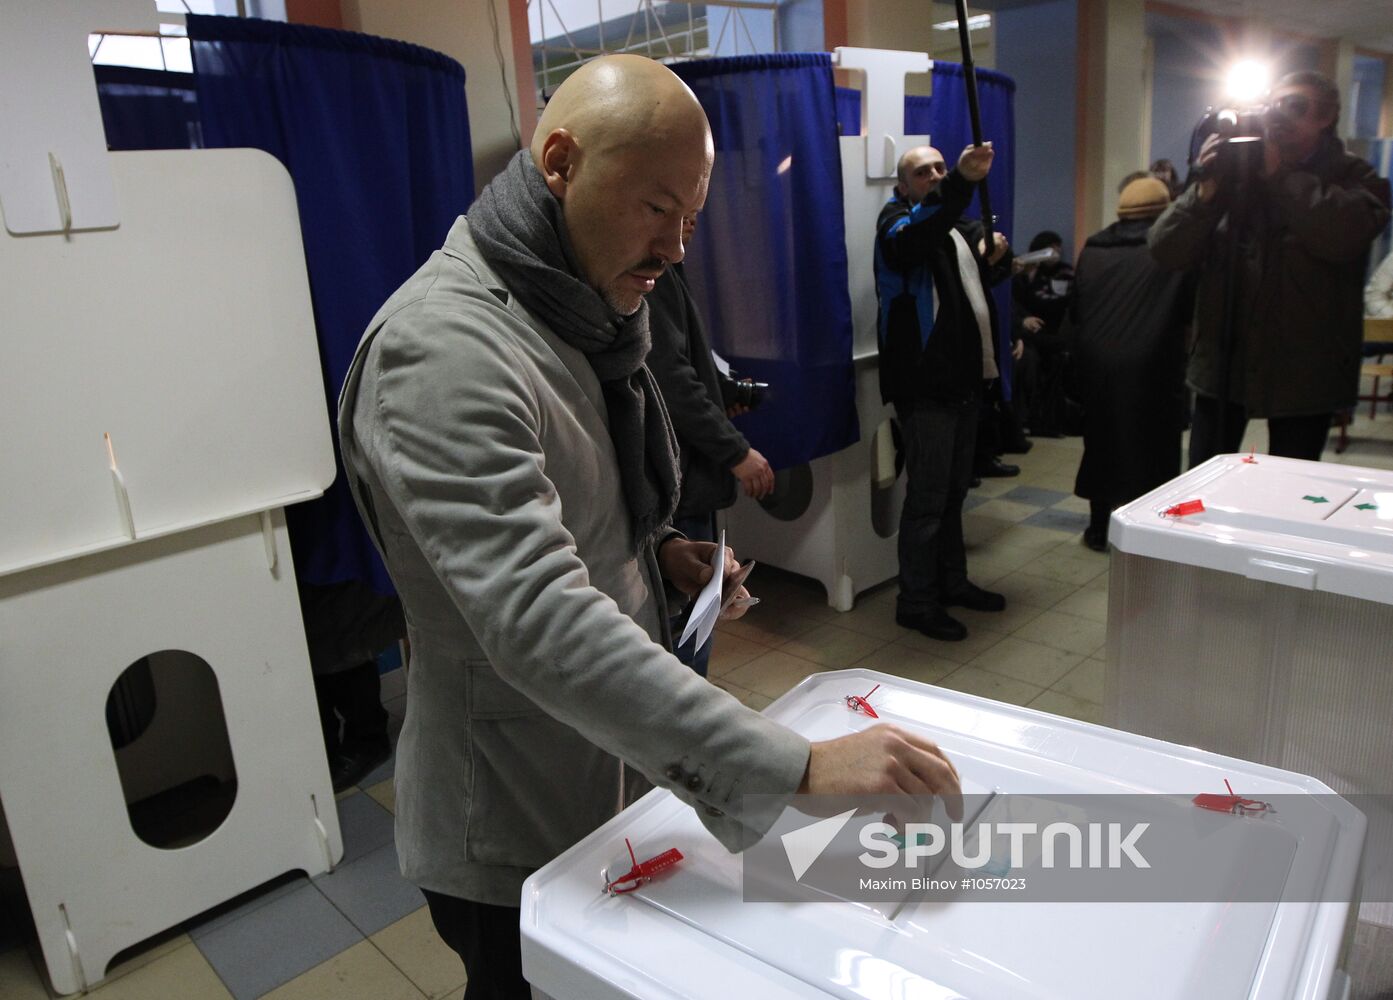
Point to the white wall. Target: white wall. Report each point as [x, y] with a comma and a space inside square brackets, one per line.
[462, 30]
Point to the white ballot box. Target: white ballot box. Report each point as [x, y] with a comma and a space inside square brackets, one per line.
[1261, 626]
[691, 931]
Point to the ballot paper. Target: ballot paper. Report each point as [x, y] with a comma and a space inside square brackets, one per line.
[707, 606]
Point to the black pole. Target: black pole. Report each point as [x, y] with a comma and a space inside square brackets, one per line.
[975, 113]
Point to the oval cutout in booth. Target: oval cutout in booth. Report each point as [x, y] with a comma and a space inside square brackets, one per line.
[173, 754]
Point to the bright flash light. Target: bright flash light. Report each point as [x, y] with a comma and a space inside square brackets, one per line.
[1247, 80]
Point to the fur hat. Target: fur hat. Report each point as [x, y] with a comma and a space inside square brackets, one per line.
[1143, 198]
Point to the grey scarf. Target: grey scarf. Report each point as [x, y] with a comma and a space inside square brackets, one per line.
[516, 223]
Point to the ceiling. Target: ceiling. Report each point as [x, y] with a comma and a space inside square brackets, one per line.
[1368, 22]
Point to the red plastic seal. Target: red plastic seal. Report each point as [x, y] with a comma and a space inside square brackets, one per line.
[642, 871]
[858, 702]
[1230, 803]
[1184, 509]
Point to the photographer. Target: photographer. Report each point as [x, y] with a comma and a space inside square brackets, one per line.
[1281, 251]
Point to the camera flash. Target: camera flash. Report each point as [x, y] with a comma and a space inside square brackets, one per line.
[1247, 80]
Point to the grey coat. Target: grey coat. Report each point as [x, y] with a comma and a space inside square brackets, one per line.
[476, 444]
[1299, 327]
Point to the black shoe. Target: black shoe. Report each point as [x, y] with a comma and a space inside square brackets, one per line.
[974, 598]
[997, 469]
[347, 769]
[1019, 447]
[1096, 538]
[935, 623]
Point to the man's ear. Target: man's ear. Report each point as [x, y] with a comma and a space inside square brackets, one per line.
[901, 190]
[559, 157]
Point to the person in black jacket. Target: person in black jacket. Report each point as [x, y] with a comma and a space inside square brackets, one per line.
[1126, 328]
[937, 352]
[713, 454]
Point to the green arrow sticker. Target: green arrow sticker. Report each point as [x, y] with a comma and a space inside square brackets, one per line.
[1366, 506]
[1315, 499]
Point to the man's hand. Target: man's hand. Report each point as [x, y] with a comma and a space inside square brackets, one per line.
[687, 564]
[1206, 164]
[881, 760]
[1271, 158]
[999, 247]
[1033, 324]
[1018, 348]
[975, 161]
[754, 474]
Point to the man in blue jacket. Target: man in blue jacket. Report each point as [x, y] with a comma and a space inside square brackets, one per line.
[936, 356]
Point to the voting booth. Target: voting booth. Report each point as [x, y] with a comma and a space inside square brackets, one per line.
[1251, 613]
[689, 933]
[162, 403]
[836, 519]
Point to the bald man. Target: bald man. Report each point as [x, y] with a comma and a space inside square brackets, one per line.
[937, 358]
[515, 464]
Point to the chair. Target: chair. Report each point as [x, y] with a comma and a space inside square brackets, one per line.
[1378, 340]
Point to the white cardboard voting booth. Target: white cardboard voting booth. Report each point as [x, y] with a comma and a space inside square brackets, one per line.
[843, 525]
[1261, 626]
[688, 934]
[162, 401]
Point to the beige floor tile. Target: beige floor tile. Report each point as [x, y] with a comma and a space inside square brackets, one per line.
[729, 651]
[985, 684]
[1077, 566]
[414, 947]
[1086, 603]
[385, 793]
[1036, 591]
[959, 652]
[1067, 632]
[799, 594]
[994, 487]
[1028, 536]
[771, 674]
[1005, 622]
[1074, 505]
[457, 995]
[359, 973]
[1084, 681]
[978, 530]
[1068, 706]
[1005, 510]
[872, 617]
[756, 701]
[19, 978]
[832, 646]
[1028, 661]
[182, 973]
[771, 623]
[906, 661]
[1060, 484]
[1013, 557]
[1098, 582]
[145, 953]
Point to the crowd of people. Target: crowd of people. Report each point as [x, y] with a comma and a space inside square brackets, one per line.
[537, 440]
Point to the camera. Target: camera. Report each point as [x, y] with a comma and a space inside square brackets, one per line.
[1242, 131]
[742, 392]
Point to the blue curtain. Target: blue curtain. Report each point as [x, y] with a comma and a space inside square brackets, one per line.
[375, 135]
[768, 263]
[944, 118]
[148, 109]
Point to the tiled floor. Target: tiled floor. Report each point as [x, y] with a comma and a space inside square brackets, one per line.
[362, 933]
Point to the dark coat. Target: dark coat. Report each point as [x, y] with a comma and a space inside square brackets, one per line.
[1126, 331]
[1299, 327]
[680, 360]
[927, 353]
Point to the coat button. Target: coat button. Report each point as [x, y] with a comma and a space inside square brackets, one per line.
[713, 811]
[674, 773]
[693, 783]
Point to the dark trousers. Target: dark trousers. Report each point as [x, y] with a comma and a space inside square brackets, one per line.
[486, 939]
[1288, 437]
[938, 439]
[698, 529]
[355, 695]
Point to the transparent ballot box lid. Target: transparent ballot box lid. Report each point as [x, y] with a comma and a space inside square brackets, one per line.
[692, 931]
[1309, 525]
